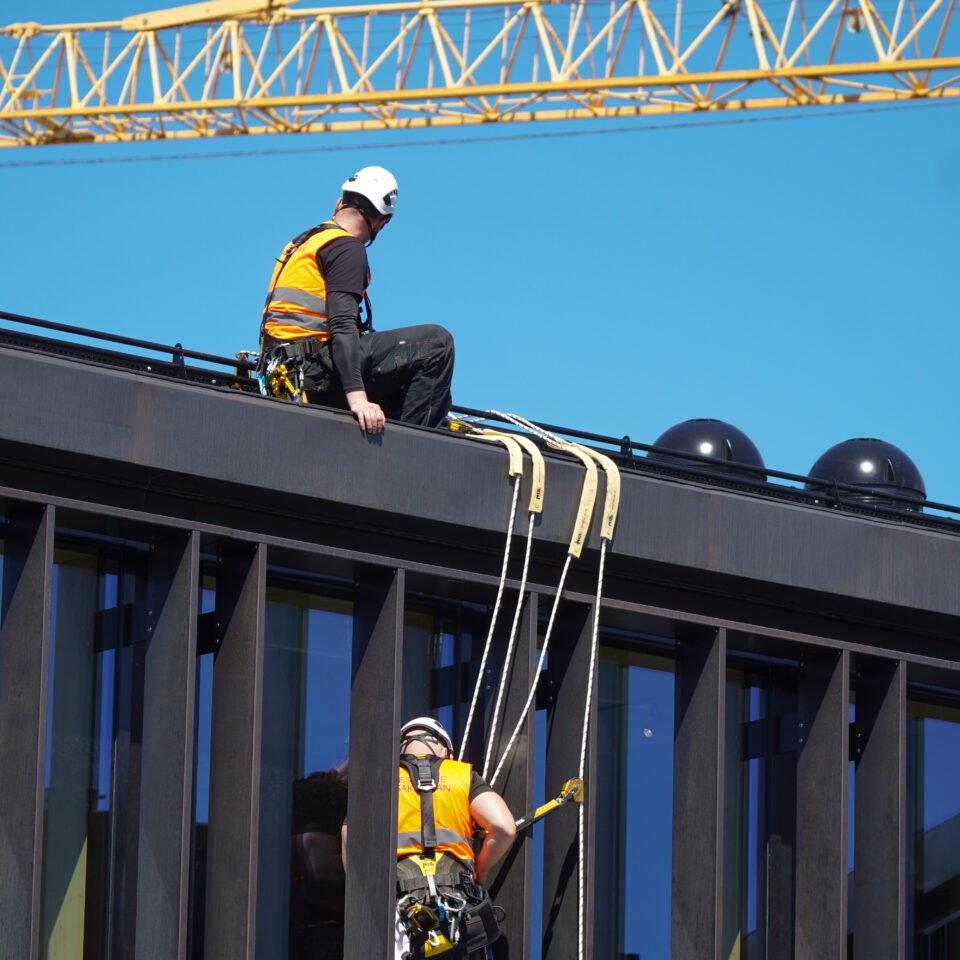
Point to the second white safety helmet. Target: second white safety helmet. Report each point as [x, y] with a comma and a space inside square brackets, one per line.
[378, 185]
[426, 725]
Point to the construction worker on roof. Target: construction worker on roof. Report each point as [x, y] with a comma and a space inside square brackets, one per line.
[441, 903]
[311, 319]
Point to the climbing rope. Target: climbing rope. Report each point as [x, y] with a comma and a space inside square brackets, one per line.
[588, 495]
[535, 508]
[611, 508]
[515, 471]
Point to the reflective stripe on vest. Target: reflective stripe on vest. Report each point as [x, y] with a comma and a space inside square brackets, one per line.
[451, 813]
[443, 836]
[301, 298]
[298, 307]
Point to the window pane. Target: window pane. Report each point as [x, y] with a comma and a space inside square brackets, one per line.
[81, 752]
[933, 764]
[441, 659]
[634, 796]
[303, 789]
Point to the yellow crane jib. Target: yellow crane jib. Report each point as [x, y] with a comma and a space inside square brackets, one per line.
[209, 12]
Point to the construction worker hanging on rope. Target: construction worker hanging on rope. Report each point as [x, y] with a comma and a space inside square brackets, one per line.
[313, 345]
[442, 906]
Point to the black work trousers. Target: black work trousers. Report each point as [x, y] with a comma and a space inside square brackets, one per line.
[406, 371]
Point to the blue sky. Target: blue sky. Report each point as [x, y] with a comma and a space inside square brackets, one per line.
[794, 273]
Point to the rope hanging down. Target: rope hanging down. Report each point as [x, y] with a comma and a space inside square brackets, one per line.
[611, 508]
[588, 496]
[535, 508]
[516, 471]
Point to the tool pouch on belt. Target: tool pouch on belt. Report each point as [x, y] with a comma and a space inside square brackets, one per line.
[314, 359]
[479, 925]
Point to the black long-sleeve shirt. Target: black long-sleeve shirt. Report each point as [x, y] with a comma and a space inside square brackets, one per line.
[343, 263]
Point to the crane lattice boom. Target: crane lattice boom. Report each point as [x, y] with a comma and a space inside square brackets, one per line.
[232, 67]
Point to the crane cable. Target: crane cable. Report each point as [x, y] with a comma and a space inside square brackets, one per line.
[611, 508]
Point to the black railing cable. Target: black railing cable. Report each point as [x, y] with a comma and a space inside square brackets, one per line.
[623, 444]
[176, 351]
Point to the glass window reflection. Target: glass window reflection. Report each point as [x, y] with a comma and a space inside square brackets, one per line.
[303, 786]
[933, 848]
[93, 686]
[634, 796]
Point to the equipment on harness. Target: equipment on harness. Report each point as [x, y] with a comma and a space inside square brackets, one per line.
[442, 907]
[280, 371]
[438, 900]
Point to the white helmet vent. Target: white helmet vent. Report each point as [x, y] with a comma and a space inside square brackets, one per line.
[378, 185]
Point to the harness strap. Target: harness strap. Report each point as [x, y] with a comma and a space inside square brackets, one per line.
[367, 325]
[414, 884]
[297, 349]
[424, 774]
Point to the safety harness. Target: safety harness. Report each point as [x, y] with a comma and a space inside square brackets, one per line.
[280, 369]
[438, 902]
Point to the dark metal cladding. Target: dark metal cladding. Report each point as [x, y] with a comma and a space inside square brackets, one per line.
[786, 593]
[698, 773]
[511, 880]
[232, 846]
[207, 455]
[880, 844]
[374, 742]
[24, 689]
[167, 756]
[821, 844]
[781, 827]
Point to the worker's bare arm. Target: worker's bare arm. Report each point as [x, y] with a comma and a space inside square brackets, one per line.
[343, 846]
[369, 415]
[491, 813]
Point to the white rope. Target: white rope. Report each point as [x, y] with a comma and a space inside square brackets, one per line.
[533, 686]
[508, 660]
[611, 508]
[493, 619]
[519, 421]
[594, 648]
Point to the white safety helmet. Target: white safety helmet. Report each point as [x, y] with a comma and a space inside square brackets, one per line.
[426, 725]
[379, 186]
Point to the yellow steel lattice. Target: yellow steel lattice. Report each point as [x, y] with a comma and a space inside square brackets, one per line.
[231, 67]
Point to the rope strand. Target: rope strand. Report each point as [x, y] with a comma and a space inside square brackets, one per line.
[493, 619]
[533, 686]
[508, 660]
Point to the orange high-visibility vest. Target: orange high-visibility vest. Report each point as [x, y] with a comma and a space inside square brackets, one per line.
[297, 303]
[451, 813]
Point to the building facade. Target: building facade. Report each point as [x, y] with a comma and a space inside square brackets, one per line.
[217, 610]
